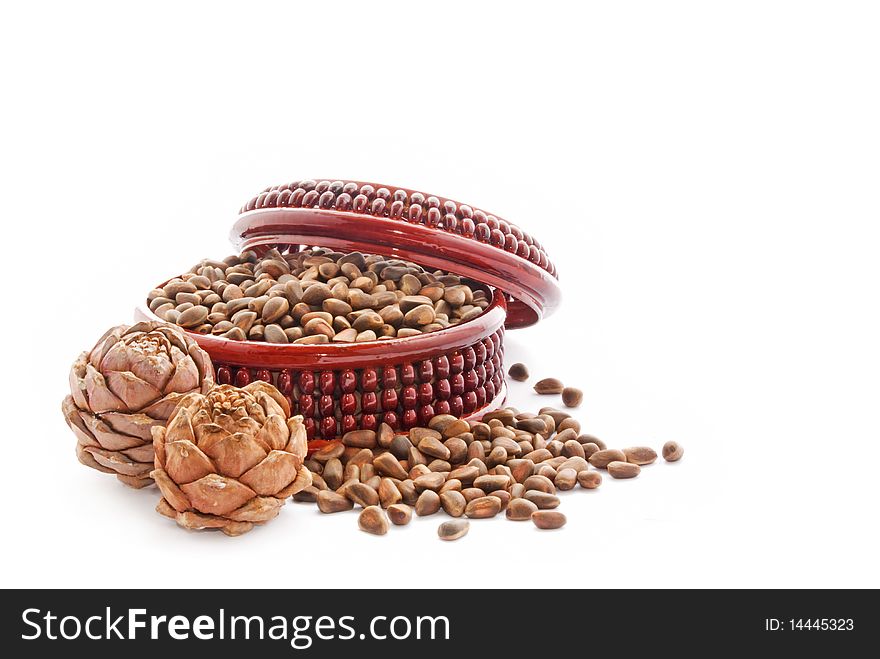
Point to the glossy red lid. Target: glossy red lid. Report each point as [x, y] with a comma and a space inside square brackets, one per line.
[432, 231]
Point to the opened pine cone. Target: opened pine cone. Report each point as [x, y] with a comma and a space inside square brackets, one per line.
[228, 459]
[129, 383]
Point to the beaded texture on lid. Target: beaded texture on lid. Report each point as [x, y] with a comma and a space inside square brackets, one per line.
[430, 230]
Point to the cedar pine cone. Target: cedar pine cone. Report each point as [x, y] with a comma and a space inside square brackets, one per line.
[129, 383]
[229, 459]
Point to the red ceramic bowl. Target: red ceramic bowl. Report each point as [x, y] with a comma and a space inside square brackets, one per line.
[402, 382]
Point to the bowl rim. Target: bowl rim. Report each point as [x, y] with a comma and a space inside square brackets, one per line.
[259, 354]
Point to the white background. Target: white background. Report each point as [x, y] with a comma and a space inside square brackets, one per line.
[704, 174]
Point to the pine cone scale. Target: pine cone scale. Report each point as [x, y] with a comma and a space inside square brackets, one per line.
[275, 472]
[217, 495]
[142, 454]
[185, 463]
[185, 378]
[134, 425]
[106, 437]
[170, 492]
[259, 510]
[117, 462]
